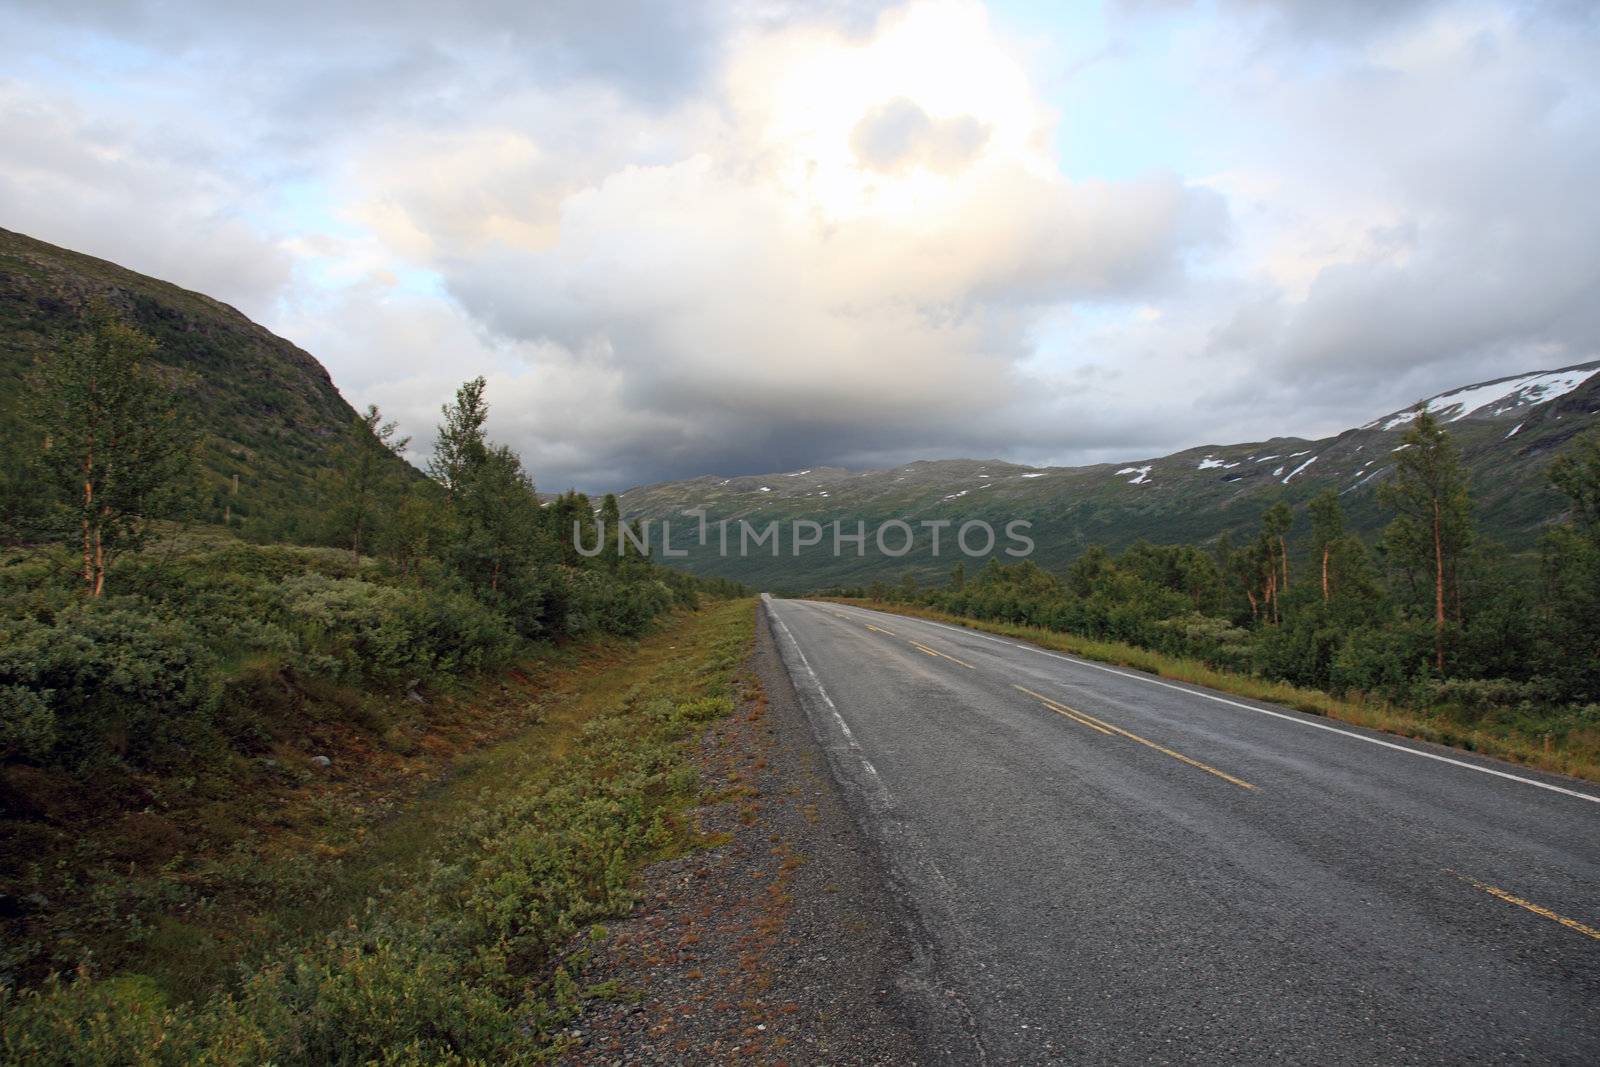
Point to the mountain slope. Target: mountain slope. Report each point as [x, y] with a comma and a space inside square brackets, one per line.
[1508, 430]
[271, 414]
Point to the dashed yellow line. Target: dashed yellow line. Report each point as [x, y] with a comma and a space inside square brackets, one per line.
[919, 646]
[1091, 720]
[1064, 711]
[942, 655]
[1542, 912]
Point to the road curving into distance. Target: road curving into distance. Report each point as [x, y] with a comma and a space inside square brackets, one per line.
[1104, 866]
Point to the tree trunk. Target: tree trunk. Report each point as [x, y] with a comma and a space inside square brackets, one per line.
[1327, 549]
[1255, 609]
[1283, 555]
[1438, 586]
[88, 511]
[99, 564]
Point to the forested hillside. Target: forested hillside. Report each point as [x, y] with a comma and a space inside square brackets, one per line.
[1508, 432]
[270, 417]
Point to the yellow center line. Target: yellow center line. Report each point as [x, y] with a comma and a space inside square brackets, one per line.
[1546, 913]
[1130, 735]
[1064, 711]
[942, 655]
[920, 647]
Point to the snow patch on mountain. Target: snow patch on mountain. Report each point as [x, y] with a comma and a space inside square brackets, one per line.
[1141, 474]
[1497, 398]
[1300, 468]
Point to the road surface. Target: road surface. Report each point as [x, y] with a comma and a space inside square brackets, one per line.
[1102, 866]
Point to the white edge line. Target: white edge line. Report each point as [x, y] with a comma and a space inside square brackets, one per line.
[843, 726]
[1263, 711]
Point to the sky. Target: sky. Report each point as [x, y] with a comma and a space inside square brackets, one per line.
[708, 238]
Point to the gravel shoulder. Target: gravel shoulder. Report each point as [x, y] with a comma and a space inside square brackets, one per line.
[780, 942]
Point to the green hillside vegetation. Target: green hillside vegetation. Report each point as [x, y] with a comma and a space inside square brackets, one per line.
[268, 417]
[1194, 496]
[448, 934]
[160, 679]
[1428, 629]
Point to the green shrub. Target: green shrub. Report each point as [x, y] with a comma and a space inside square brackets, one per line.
[352, 629]
[600, 602]
[116, 681]
[27, 723]
[1381, 660]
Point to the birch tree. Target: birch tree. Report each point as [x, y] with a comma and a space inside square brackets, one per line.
[1433, 525]
[115, 452]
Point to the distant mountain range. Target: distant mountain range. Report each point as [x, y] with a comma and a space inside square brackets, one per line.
[1508, 429]
[270, 412]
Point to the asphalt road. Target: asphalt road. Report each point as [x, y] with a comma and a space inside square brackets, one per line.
[1102, 866]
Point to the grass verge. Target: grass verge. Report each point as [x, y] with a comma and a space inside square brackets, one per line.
[1575, 753]
[439, 935]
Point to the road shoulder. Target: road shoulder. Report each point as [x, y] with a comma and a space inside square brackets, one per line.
[781, 943]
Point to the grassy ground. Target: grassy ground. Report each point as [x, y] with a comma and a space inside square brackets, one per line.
[1574, 752]
[428, 931]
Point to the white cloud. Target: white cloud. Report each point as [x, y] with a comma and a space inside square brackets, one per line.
[74, 179]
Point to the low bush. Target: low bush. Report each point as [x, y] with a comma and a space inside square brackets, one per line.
[349, 629]
[96, 680]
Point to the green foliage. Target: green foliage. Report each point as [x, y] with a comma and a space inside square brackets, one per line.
[366, 480]
[1433, 525]
[27, 723]
[472, 569]
[461, 964]
[270, 421]
[460, 450]
[350, 629]
[1577, 474]
[101, 680]
[599, 603]
[111, 448]
[1568, 628]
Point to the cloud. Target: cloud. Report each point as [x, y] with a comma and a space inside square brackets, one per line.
[654, 51]
[703, 237]
[1449, 169]
[899, 134]
[71, 179]
[845, 260]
